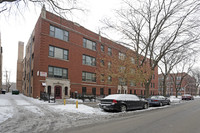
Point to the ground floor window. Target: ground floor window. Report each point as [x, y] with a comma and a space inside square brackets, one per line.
[93, 91]
[101, 91]
[109, 91]
[135, 92]
[84, 90]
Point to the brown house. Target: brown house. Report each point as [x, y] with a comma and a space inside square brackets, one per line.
[61, 58]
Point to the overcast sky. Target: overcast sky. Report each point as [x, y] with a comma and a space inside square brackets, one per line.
[18, 27]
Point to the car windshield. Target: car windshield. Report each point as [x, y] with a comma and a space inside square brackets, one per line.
[154, 97]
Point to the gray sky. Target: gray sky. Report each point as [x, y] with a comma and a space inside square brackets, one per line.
[18, 27]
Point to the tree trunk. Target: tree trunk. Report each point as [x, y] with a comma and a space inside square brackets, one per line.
[164, 86]
[147, 89]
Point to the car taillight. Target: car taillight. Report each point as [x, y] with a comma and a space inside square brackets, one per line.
[114, 101]
[155, 100]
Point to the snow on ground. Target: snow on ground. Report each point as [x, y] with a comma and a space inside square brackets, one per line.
[74, 100]
[81, 109]
[196, 97]
[19, 113]
[5, 113]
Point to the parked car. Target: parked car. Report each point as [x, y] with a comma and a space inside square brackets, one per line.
[187, 97]
[158, 101]
[122, 102]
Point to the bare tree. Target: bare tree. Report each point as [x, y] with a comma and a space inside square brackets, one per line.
[121, 69]
[181, 72]
[172, 59]
[7, 79]
[196, 74]
[61, 7]
[155, 28]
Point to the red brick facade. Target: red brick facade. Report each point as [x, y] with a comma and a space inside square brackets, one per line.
[187, 85]
[41, 59]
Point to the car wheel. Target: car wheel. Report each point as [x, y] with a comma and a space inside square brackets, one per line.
[123, 108]
[169, 103]
[145, 106]
[161, 104]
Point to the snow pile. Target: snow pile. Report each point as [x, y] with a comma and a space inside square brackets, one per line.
[34, 109]
[173, 99]
[6, 110]
[74, 100]
[81, 109]
[196, 97]
[5, 113]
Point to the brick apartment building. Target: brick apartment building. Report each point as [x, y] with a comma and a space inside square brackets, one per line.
[61, 58]
[187, 86]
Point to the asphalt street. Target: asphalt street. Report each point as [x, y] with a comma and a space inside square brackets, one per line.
[183, 118]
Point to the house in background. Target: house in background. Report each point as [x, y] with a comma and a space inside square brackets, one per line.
[62, 57]
[184, 81]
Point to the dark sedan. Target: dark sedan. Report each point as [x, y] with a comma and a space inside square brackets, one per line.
[158, 101]
[122, 102]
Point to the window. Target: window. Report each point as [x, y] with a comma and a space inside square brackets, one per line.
[57, 72]
[66, 90]
[135, 92]
[109, 51]
[130, 91]
[109, 79]
[93, 91]
[122, 81]
[102, 77]
[89, 44]
[109, 65]
[132, 83]
[102, 62]
[109, 91]
[84, 90]
[58, 53]
[132, 71]
[121, 56]
[122, 69]
[153, 85]
[132, 60]
[101, 91]
[65, 54]
[178, 78]
[59, 33]
[51, 51]
[87, 76]
[102, 48]
[88, 60]
[153, 76]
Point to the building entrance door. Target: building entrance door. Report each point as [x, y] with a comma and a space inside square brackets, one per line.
[58, 92]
